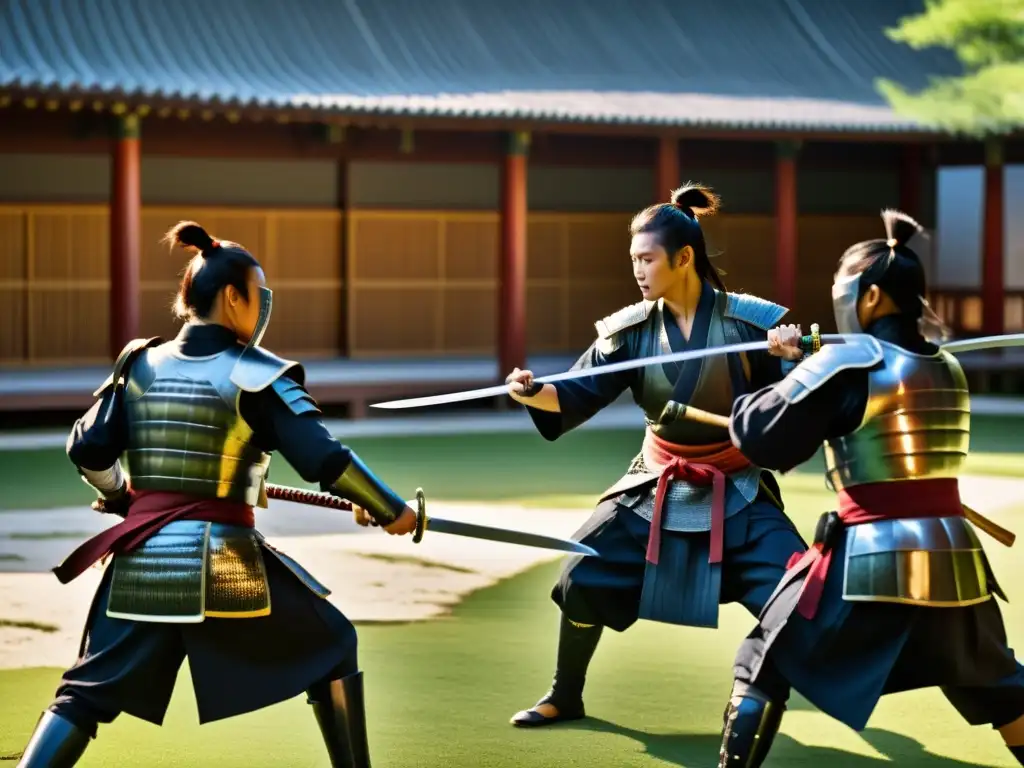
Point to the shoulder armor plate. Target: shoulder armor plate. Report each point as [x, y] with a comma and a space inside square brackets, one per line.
[124, 361]
[256, 369]
[758, 312]
[609, 328]
[295, 396]
[818, 368]
[624, 318]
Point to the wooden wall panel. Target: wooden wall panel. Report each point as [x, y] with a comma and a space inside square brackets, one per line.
[822, 241]
[55, 282]
[68, 325]
[13, 326]
[414, 283]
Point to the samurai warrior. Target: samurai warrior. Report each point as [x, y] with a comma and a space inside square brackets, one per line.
[896, 592]
[693, 523]
[195, 421]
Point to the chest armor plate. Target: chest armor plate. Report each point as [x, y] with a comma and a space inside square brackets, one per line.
[712, 392]
[916, 425]
[185, 433]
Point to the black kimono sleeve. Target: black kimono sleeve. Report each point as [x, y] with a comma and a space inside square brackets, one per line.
[580, 399]
[289, 422]
[99, 437]
[778, 435]
[301, 438]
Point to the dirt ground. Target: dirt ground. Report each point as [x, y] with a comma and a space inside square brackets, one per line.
[374, 577]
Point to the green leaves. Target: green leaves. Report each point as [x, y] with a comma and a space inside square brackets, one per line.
[988, 38]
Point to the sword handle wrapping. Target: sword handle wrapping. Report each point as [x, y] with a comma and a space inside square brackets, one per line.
[812, 343]
[421, 516]
[313, 498]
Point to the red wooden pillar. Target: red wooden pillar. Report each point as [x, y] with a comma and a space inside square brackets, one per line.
[666, 172]
[125, 226]
[992, 288]
[512, 288]
[910, 180]
[785, 223]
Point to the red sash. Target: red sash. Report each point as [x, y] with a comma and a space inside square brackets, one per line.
[896, 500]
[149, 512]
[700, 465]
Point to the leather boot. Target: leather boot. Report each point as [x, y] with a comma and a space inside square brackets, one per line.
[342, 721]
[751, 722]
[576, 646]
[55, 743]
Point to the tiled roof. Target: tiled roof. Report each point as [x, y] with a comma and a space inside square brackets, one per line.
[783, 64]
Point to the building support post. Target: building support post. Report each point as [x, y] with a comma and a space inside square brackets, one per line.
[910, 180]
[992, 268]
[786, 223]
[125, 229]
[512, 289]
[666, 172]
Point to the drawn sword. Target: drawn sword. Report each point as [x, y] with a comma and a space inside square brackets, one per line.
[806, 342]
[436, 524]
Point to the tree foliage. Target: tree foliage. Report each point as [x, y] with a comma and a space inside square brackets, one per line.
[987, 37]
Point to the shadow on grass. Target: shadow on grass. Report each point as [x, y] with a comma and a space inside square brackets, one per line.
[691, 750]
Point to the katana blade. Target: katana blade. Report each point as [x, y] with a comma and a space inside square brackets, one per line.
[984, 342]
[597, 370]
[953, 347]
[436, 524]
[474, 531]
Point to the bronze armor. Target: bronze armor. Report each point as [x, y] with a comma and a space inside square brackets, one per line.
[916, 426]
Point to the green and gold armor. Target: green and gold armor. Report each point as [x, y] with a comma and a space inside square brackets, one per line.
[186, 435]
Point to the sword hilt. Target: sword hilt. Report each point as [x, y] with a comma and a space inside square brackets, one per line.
[421, 516]
[812, 343]
[312, 498]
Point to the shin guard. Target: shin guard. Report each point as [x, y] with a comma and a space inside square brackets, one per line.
[751, 722]
[342, 721]
[55, 743]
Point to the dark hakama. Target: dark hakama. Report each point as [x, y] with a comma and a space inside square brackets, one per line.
[852, 653]
[609, 591]
[236, 665]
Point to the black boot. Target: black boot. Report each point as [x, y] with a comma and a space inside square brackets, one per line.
[1018, 752]
[342, 720]
[576, 646]
[56, 743]
[751, 722]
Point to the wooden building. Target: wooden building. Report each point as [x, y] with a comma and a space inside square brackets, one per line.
[452, 183]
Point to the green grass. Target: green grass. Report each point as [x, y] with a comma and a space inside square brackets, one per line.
[440, 694]
[517, 467]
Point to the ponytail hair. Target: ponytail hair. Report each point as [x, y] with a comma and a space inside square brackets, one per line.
[676, 225]
[215, 265]
[895, 268]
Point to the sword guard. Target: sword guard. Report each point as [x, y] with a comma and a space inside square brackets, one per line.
[421, 516]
